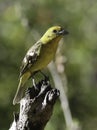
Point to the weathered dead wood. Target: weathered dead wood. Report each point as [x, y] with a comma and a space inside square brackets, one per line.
[36, 107]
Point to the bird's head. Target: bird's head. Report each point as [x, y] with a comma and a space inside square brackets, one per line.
[55, 32]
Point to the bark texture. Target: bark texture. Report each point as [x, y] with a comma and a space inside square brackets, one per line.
[36, 107]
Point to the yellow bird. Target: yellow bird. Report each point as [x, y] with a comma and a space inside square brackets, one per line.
[38, 57]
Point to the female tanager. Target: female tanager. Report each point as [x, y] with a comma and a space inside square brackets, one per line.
[38, 57]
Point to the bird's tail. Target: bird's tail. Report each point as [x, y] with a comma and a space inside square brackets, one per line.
[20, 90]
[19, 93]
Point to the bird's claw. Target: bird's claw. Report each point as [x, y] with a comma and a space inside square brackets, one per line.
[34, 84]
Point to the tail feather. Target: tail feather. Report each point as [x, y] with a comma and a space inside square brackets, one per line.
[21, 88]
[19, 94]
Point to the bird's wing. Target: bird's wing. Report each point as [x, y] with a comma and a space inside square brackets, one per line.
[30, 57]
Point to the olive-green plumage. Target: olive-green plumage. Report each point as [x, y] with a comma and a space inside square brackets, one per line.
[38, 57]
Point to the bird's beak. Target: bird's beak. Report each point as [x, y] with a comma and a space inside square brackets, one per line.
[63, 32]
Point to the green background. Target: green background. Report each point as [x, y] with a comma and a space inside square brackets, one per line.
[21, 23]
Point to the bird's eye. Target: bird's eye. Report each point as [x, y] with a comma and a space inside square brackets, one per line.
[54, 31]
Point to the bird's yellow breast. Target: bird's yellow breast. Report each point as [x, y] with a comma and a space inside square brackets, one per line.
[47, 53]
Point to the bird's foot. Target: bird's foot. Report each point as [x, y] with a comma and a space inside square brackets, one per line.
[34, 84]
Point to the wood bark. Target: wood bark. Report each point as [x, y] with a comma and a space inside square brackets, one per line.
[36, 107]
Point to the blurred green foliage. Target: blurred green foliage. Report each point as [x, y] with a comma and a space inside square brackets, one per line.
[21, 23]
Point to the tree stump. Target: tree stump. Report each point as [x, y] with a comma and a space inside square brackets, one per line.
[36, 107]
